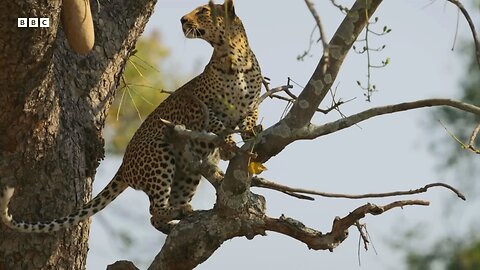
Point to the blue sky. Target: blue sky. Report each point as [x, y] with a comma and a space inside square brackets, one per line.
[383, 154]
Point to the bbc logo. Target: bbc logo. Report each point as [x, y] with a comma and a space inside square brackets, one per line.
[33, 22]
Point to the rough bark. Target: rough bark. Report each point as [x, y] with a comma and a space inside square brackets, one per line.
[53, 105]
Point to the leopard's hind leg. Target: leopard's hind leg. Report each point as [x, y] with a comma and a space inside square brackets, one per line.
[183, 188]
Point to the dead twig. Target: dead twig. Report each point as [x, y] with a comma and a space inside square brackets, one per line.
[473, 137]
[264, 183]
[271, 92]
[361, 227]
[335, 106]
[339, 232]
[292, 97]
[471, 142]
[323, 36]
[343, 9]
[318, 21]
[471, 25]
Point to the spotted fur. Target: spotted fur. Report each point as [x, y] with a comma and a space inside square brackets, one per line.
[222, 97]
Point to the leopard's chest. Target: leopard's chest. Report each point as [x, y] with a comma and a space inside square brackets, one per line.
[235, 96]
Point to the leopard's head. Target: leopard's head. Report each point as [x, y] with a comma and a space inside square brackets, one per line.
[212, 22]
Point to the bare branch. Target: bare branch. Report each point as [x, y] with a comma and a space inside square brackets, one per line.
[271, 92]
[323, 37]
[471, 25]
[471, 145]
[473, 137]
[340, 7]
[362, 230]
[292, 97]
[335, 106]
[339, 232]
[298, 196]
[471, 142]
[312, 131]
[263, 183]
[281, 134]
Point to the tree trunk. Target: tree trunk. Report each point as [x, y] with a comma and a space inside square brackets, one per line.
[53, 104]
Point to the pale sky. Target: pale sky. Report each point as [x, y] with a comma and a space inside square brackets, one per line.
[383, 154]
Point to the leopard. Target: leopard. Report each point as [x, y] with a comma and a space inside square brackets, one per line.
[222, 97]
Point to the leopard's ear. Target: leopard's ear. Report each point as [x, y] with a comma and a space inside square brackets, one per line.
[229, 7]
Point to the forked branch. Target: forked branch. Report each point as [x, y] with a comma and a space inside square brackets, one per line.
[339, 232]
[318, 21]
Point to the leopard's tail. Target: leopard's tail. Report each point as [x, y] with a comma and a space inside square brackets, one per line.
[107, 195]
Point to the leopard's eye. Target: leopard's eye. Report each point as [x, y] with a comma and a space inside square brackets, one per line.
[203, 10]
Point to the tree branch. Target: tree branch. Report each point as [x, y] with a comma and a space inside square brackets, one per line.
[340, 7]
[471, 141]
[281, 135]
[270, 92]
[193, 240]
[264, 183]
[471, 25]
[323, 36]
[292, 98]
[339, 232]
[312, 131]
[197, 236]
[473, 137]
